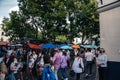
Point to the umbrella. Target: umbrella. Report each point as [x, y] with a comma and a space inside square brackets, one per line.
[49, 45]
[89, 46]
[11, 45]
[75, 46]
[3, 43]
[93, 46]
[62, 45]
[34, 46]
[18, 45]
[65, 47]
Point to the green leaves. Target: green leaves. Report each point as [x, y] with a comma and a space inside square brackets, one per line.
[50, 17]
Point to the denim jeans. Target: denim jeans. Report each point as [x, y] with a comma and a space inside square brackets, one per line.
[11, 76]
[56, 71]
[88, 69]
[64, 74]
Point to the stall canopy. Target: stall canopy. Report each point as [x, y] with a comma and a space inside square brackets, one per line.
[34, 46]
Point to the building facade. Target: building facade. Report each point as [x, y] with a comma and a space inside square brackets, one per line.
[109, 16]
[3, 38]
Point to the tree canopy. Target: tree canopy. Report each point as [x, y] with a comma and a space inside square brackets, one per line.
[53, 18]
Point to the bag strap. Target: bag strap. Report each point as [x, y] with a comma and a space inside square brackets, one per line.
[80, 63]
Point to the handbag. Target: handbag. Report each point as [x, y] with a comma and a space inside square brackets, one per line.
[80, 65]
[72, 73]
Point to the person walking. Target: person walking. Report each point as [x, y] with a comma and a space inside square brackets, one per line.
[13, 69]
[78, 66]
[56, 62]
[3, 70]
[102, 65]
[63, 66]
[47, 73]
[89, 59]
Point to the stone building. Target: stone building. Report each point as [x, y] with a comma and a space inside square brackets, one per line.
[109, 16]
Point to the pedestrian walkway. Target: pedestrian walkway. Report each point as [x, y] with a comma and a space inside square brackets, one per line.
[91, 77]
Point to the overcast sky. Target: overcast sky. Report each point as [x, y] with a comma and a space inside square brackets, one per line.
[6, 6]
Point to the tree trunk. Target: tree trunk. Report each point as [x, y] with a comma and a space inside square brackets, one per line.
[36, 28]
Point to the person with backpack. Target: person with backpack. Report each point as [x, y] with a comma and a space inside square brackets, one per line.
[47, 73]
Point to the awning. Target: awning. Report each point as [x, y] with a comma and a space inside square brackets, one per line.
[34, 46]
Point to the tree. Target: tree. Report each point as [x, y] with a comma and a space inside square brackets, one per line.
[83, 18]
[16, 27]
[48, 16]
[89, 20]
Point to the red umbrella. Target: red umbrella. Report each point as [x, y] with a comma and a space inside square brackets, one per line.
[34, 46]
[4, 43]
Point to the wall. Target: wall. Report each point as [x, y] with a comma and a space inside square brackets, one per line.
[110, 33]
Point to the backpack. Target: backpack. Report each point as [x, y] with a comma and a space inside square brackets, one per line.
[48, 74]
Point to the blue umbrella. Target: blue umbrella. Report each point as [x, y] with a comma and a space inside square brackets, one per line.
[62, 45]
[66, 47]
[89, 46]
[93, 46]
[49, 45]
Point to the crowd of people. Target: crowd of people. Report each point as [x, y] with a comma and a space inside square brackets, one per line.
[19, 63]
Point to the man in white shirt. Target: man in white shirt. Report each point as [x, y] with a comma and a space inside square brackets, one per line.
[9, 52]
[89, 58]
[31, 62]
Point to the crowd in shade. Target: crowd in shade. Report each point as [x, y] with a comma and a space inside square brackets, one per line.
[21, 63]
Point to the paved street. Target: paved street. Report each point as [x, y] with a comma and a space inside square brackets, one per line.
[92, 77]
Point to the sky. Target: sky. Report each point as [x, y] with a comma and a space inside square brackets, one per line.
[6, 6]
